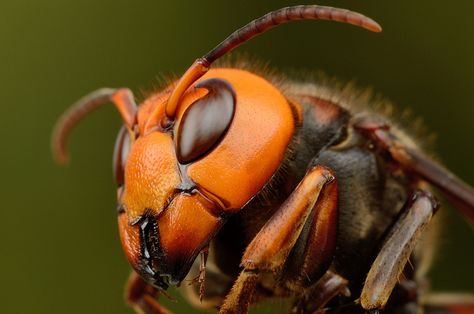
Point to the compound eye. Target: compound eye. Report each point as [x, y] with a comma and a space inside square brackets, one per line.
[121, 150]
[205, 122]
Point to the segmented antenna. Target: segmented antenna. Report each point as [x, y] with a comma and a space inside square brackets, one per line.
[123, 100]
[252, 29]
[284, 15]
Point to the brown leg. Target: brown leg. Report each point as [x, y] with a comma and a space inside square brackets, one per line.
[413, 161]
[397, 248]
[270, 248]
[313, 252]
[317, 296]
[240, 297]
[142, 296]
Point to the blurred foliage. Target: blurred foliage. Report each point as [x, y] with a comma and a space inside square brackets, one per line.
[59, 242]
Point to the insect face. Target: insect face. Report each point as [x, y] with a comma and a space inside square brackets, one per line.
[180, 182]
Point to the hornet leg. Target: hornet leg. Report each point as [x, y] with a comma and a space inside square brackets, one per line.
[315, 297]
[142, 296]
[314, 199]
[396, 250]
[415, 162]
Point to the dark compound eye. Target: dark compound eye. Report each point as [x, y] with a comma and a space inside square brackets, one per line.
[205, 122]
[121, 150]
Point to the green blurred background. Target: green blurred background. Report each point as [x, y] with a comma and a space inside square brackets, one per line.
[60, 251]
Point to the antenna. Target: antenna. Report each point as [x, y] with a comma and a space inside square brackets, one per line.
[252, 29]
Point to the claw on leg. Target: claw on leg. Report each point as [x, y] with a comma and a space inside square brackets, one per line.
[201, 278]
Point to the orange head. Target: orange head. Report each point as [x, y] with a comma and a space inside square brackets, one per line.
[182, 181]
[192, 155]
